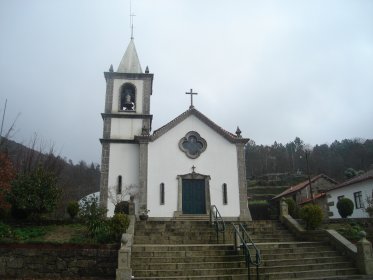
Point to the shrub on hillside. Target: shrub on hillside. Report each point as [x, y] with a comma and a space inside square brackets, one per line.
[311, 215]
[72, 209]
[7, 174]
[345, 207]
[93, 216]
[34, 193]
[118, 225]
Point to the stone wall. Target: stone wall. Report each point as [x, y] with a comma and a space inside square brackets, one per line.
[54, 261]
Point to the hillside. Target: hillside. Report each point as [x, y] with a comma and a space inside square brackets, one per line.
[75, 180]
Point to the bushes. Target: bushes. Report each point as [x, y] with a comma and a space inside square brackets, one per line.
[351, 231]
[312, 216]
[292, 207]
[118, 225]
[100, 228]
[34, 193]
[122, 207]
[72, 209]
[345, 207]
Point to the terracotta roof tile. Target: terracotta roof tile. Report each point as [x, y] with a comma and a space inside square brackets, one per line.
[363, 177]
[303, 184]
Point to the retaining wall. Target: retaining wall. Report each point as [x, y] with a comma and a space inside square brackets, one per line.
[56, 261]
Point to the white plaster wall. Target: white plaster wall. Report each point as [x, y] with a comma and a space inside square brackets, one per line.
[124, 161]
[122, 128]
[139, 93]
[166, 161]
[365, 187]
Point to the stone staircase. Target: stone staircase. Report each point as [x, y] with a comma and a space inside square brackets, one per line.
[188, 249]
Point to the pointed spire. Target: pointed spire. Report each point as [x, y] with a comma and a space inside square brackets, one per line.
[130, 62]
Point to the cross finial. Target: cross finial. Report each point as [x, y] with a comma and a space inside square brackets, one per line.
[193, 167]
[131, 19]
[191, 98]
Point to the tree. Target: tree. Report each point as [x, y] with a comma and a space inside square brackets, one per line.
[7, 174]
[350, 173]
[345, 207]
[34, 193]
[312, 215]
[125, 193]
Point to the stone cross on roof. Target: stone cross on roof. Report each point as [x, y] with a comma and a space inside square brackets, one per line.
[191, 98]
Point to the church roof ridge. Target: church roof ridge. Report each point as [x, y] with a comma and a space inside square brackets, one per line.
[130, 62]
[193, 111]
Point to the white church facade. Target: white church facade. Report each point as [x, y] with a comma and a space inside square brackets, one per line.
[182, 168]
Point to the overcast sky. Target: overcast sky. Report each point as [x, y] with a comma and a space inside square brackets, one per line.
[278, 69]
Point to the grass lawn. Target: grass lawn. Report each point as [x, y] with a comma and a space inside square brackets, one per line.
[55, 234]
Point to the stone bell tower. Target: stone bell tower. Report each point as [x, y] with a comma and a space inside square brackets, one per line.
[127, 116]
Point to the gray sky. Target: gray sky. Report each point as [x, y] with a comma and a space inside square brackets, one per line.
[278, 69]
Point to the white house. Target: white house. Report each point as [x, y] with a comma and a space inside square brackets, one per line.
[182, 168]
[358, 189]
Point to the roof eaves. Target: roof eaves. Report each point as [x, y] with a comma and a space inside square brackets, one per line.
[192, 111]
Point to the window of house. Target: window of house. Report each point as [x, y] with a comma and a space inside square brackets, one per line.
[128, 98]
[119, 187]
[340, 197]
[161, 189]
[225, 194]
[358, 200]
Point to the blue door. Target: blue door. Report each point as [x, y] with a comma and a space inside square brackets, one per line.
[194, 196]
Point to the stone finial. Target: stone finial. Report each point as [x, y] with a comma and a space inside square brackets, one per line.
[238, 132]
[364, 259]
[111, 69]
[147, 70]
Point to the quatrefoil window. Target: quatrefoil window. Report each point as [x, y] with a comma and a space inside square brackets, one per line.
[192, 144]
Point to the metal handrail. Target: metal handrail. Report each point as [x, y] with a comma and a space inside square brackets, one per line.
[217, 220]
[245, 237]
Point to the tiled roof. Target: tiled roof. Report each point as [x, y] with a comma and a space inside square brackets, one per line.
[315, 197]
[363, 177]
[302, 185]
[192, 111]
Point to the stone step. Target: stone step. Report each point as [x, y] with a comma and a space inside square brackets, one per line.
[305, 260]
[187, 259]
[187, 249]
[321, 274]
[181, 254]
[253, 277]
[197, 218]
[298, 256]
[188, 272]
[189, 265]
[194, 238]
[307, 267]
[242, 272]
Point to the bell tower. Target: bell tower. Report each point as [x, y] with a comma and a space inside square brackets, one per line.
[126, 116]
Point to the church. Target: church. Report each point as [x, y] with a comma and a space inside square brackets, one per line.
[182, 168]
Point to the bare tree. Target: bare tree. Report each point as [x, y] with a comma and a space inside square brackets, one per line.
[8, 133]
[124, 195]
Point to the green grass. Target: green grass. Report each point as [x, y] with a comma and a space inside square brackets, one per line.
[55, 234]
[350, 231]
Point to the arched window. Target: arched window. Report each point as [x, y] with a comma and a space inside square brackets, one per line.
[161, 189]
[225, 194]
[128, 98]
